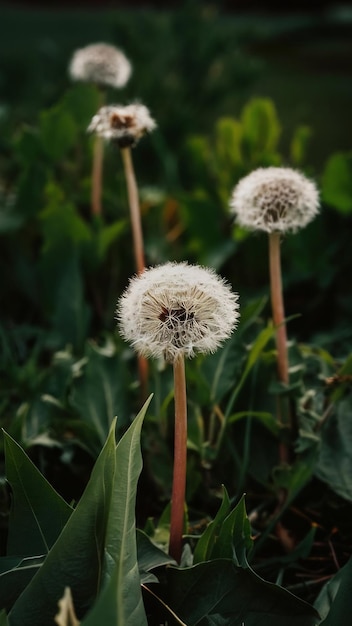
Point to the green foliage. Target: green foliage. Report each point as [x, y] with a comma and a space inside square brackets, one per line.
[96, 547]
[334, 601]
[65, 374]
[218, 590]
[337, 182]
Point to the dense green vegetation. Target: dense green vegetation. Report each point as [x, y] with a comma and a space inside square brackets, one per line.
[229, 94]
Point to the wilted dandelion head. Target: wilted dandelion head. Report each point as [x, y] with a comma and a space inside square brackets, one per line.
[101, 64]
[175, 310]
[275, 199]
[123, 124]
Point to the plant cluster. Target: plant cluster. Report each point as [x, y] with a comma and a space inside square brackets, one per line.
[238, 515]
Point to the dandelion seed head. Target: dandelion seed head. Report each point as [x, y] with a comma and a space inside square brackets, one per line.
[175, 310]
[101, 64]
[123, 124]
[275, 199]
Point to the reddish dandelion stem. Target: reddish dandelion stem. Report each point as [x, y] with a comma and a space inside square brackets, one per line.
[180, 461]
[278, 311]
[135, 213]
[277, 304]
[97, 173]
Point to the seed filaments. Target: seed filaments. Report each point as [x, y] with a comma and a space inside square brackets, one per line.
[177, 324]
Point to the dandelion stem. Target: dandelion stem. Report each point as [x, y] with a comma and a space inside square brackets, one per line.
[278, 311]
[138, 246]
[277, 304]
[97, 170]
[133, 199]
[180, 461]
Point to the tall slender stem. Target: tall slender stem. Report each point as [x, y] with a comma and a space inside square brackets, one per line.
[138, 245]
[277, 304]
[135, 213]
[278, 311]
[97, 175]
[97, 168]
[180, 461]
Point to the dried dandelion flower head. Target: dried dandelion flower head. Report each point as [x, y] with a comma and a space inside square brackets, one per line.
[101, 64]
[123, 124]
[177, 309]
[275, 199]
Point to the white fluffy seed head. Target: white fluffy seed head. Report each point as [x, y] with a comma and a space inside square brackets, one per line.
[123, 124]
[175, 310]
[275, 199]
[101, 64]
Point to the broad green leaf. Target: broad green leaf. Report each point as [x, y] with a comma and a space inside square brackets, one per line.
[334, 465]
[100, 392]
[337, 182]
[261, 127]
[334, 602]
[228, 137]
[61, 224]
[218, 592]
[150, 557]
[71, 314]
[38, 514]
[75, 560]
[16, 573]
[120, 601]
[299, 144]
[58, 132]
[82, 102]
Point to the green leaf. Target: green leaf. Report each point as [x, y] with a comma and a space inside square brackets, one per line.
[261, 128]
[108, 235]
[75, 560]
[38, 514]
[16, 573]
[150, 557]
[337, 182]
[228, 133]
[99, 394]
[82, 102]
[209, 537]
[120, 601]
[71, 314]
[58, 132]
[255, 351]
[218, 592]
[299, 144]
[267, 419]
[334, 602]
[220, 369]
[334, 465]
[3, 619]
[227, 536]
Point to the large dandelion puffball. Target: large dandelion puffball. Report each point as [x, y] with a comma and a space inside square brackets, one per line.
[275, 199]
[176, 310]
[101, 64]
[124, 125]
